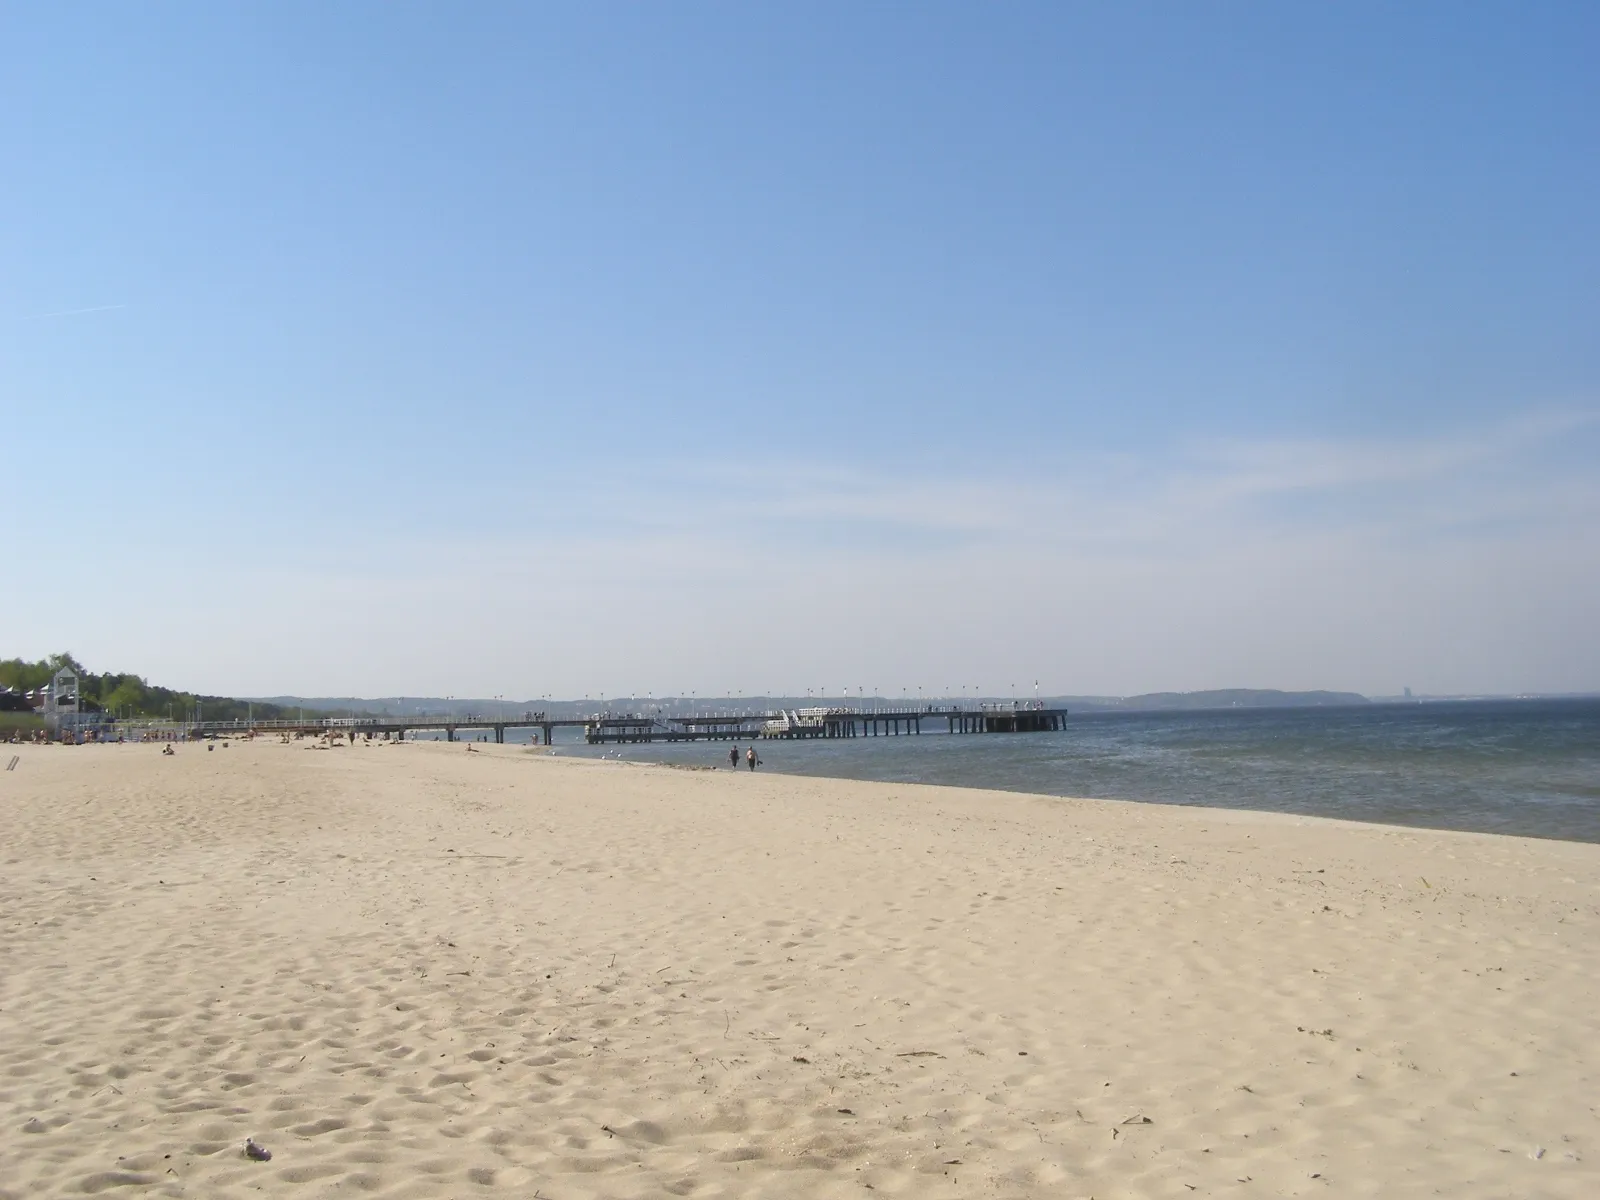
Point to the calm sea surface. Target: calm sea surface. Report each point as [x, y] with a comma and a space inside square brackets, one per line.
[1523, 767]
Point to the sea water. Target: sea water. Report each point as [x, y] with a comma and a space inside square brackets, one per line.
[1529, 767]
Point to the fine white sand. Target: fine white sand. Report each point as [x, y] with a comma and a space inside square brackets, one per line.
[417, 971]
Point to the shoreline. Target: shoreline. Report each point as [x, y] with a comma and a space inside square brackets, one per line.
[1410, 802]
[1292, 818]
[425, 972]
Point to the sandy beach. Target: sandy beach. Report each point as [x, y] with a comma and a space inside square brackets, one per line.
[414, 971]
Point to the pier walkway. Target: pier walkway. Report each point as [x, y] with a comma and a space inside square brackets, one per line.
[606, 727]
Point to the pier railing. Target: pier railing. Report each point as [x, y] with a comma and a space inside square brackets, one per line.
[827, 721]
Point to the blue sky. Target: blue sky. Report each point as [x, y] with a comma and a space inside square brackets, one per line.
[625, 348]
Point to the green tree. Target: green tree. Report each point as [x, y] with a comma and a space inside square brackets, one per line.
[24, 676]
[130, 695]
[64, 659]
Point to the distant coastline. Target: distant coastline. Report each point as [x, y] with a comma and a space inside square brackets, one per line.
[1149, 702]
[1207, 700]
[1221, 698]
[22, 683]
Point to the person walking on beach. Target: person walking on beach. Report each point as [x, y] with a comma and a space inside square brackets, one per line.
[733, 759]
[750, 758]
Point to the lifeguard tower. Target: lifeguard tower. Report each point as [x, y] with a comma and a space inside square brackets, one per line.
[63, 706]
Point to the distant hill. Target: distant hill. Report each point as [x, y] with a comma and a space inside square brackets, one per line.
[125, 695]
[681, 705]
[1218, 698]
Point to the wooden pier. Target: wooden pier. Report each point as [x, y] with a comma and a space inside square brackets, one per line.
[1020, 720]
[840, 722]
[388, 728]
[608, 728]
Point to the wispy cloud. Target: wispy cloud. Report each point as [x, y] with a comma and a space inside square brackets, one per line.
[72, 312]
[1533, 468]
[1461, 562]
[1268, 466]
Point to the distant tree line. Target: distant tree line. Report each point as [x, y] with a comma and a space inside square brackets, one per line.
[131, 696]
